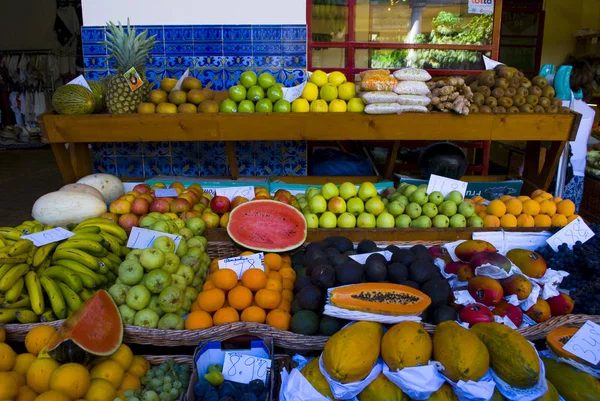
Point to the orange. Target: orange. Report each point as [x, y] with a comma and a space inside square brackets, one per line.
[531, 207]
[211, 300]
[8, 387]
[18, 378]
[240, 298]
[123, 356]
[556, 199]
[130, 382]
[572, 217]
[38, 337]
[140, 365]
[523, 198]
[537, 193]
[288, 284]
[72, 379]
[7, 357]
[287, 295]
[508, 220]
[26, 394]
[286, 259]
[246, 253]
[545, 196]
[288, 272]
[506, 198]
[274, 285]
[496, 208]
[285, 306]
[482, 214]
[198, 319]
[559, 220]
[539, 199]
[38, 375]
[108, 370]
[274, 275]
[213, 268]
[208, 285]
[23, 362]
[542, 220]
[548, 207]
[100, 390]
[53, 396]
[525, 220]
[566, 207]
[491, 221]
[477, 198]
[268, 299]
[273, 260]
[254, 314]
[514, 207]
[225, 279]
[254, 279]
[279, 319]
[195, 307]
[226, 315]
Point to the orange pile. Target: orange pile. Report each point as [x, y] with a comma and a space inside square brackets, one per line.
[259, 297]
[539, 210]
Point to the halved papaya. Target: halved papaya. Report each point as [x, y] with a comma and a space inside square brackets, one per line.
[381, 298]
[95, 329]
[557, 338]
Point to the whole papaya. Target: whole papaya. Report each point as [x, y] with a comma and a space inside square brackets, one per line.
[570, 383]
[445, 393]
[381, 389]
[405, 345]
[551, 394]
[312, 373]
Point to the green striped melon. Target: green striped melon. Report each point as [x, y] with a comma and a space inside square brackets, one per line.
[73, 100]
[99, 92]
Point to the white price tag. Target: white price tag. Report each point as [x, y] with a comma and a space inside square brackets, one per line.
[165, 193]
[362, 258]
[241, 368]
[141, 238]
[446, 185]
[232, 192]
[586, 343]
[180, 80]
[575, 231]
[240, 264]
[49, 236]
[481, 6]
[80, 80]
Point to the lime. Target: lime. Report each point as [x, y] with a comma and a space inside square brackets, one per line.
[266, 80]
[274, 93]
[264, 106]
[228, 106]
[248, 79]
[282, 106]
[255, 93]
[246, 106]
[237, 93]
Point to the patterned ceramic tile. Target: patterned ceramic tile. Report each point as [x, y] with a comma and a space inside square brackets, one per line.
[129, 148]
[155, 76]
[184, 166]
[92, 34]
[268, 61]
[156, 62]
[153, 149]
[245, 148]
[214, 167]
[174, 72]
[296, 61]
[154, 166]
[237, 61]
[208, 33]
[266, 48]
[237, 33]
[184, 149]
[293, 48]
[94, 49]
[293, 33]
[95, 62]
[157, 30]
[266, 33]
[95, 75]
[130, 166]
[179, 62]
[103, 149]
[208, 61]
[237, 48]
[292, 77]
[231, 77]
[210, 76]
[158, 49]
[208, 49]
[104, 165]
[268, 166]
[179, 33]
[247, 167]
[179, 48]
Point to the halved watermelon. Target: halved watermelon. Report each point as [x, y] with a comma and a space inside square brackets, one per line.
[95, 329]
[267, 225]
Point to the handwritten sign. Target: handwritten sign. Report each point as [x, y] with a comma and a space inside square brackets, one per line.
[575, 231]
[481, 6]
[48, 236]
[241, 368]
[232, 192]
[242, 263]
[165, 193]
[362, 258]
[141, 238]
[80, 80]
[446, 185]
[586, 343]
[212, 191]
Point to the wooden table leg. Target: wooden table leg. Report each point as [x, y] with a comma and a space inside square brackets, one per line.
[80, 159]
[232, 159]
[390, 162]
[541, 178]
[63, 160]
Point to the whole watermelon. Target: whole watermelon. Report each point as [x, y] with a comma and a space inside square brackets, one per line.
[73, 100]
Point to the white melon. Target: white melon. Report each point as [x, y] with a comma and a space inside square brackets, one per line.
[83, 188]
[63, 207]
[110, 186]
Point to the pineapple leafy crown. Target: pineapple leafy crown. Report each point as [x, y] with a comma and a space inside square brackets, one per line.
[128, 47]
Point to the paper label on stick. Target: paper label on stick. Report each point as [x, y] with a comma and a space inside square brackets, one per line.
[446, 185]
[141, 238]
[80, 80]
[165, 193]
[231, 192]
[586, 343]
[240, 264]
[180, 80]
[49, 236]
[575, 231]
[241, 368]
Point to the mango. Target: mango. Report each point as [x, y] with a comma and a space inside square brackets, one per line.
[531, 263]
[518, 285]
[514, 313]
[492, 258]
[485, 290]
[466, 250]
[465, 273]
[540, 312]
[562, 304]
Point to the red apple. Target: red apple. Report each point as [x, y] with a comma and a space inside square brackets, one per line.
[120, 206]
[140, 206]
[220, 204]
[159, 205]
[283, 199]
[238, 200]
[142, 188]
[204, 200]
[128, 221]
[169, 200]
[188, 215]
[188, 198]
[194, 195]
[283, 193]
[147, 196]
[196, 190]
[180, 205]
[110, 216]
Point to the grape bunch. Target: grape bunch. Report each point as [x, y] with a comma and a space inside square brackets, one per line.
[583, 265]
[162, 383]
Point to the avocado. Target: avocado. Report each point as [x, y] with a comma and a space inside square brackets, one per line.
[310, 256]
[310, 298]
[305, 322]
[313, 247]
[424, 256]
[351, 252]
[443, 313]
[410, 283]
[397, 272]
[404, 256]
[375, 272]
[376, 257]
[323, 277]
[301, 282]
[301, 272]
[391, 248]
[438, 291]
[349, 273]
[337, 260]
[296, 306]
[316, 264]
[421, 271]
[367, 246]
[342, 244]
[330, 325]
[331, 252]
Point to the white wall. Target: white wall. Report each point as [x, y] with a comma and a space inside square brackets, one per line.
[27, 25]
[196, 12]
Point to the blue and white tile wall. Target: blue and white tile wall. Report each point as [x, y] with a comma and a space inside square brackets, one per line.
[217, 55]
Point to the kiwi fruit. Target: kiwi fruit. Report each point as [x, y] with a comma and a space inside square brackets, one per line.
[484, 109]
[473, 108]
[491, 102]
[544, 102]
[539, 81]
[532, 100]
[505, 102]
[552, 110]
[522, 91]
[512, 109]
[485, 90]
[564, 110]
[514, 82]
[510, 92]
[519, 74]
[501, 83]
[498, 110]
[556, 102]
[478, 98]
[486, 79]
[519, 100]
[538, 109]
[469, 79]
[536, 91]
[506, 72]
[498, 93]
[548, 92]
[474, 86]
[526, 108]
[525, 83]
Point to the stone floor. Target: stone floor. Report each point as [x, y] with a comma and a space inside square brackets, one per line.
[25, 175]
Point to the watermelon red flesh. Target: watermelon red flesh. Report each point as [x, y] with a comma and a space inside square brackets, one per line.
[96, 327]
[268, 226]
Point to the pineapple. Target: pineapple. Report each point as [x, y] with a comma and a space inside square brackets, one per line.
[129, 50]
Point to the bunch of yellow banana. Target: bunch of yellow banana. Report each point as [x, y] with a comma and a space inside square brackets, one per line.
[49, 282]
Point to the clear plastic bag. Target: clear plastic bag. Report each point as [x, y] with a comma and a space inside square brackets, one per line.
[412, 74]
[378, 83]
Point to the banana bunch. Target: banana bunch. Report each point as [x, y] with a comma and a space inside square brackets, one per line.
[49, 282]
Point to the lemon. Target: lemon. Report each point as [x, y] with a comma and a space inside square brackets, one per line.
[347, 91]
[336, 78]
[328, 92]
[310, 92]
[337, 106]
[300, 106]
[356, 105]
[319, 106]
[318, 78]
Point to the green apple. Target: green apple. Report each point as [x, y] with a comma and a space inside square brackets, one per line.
[404, 200]
[266, 80]
[475, 221]
[264, 106]
[347, 190]
[394, 196]
[409, 189]
[317, 204]
[448, 208]
[246, 106]
[274, 93]
[330, 190]
[237, 93]
[306, 210]
[455, 197]
[248, 79]
[366, 191]
[419, 197]
[312, 191]
[441, 221]
[403, 221]
[228, 106]
[336, 205]
[422, 222]
[467, 209]
[375, 206]
[366, 220]
[395, 208]
[422, 186]
[385, 220]
[436, 197]
[255, 93]
[458, 220]
[355, 206]
[282, 106]
[413, 210]
[328, 220]
[430, 210]
[346, 220]
[312, 220]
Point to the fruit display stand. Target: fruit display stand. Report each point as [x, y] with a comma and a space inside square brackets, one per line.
[79, 131]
